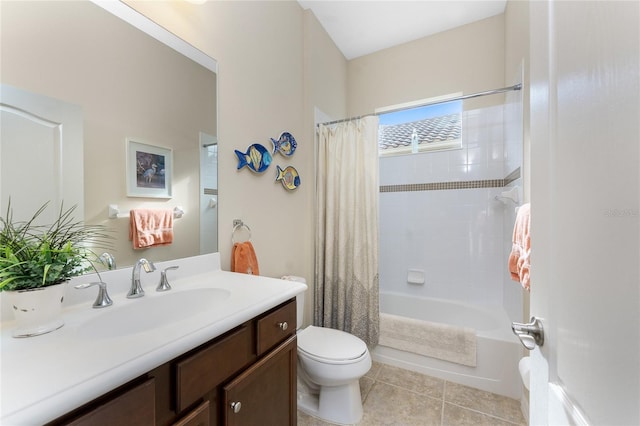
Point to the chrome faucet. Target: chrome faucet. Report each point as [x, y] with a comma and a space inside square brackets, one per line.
[136, 289]
[107, 260]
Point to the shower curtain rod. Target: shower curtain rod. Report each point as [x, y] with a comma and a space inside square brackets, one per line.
[456, 98]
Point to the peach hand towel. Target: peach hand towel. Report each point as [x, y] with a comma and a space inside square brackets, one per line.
[243, 259]
[148, 228]
[519, 265]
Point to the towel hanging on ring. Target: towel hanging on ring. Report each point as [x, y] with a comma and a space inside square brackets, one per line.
[244, 259]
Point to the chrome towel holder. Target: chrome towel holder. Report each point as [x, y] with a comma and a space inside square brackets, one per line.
[115, 213]
[238, 225]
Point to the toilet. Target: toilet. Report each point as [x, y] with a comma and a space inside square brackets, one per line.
[330, 365]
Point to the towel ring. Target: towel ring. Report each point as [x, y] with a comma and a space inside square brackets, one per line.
[237, 228]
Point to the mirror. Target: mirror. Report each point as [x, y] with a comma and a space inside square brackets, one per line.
[127, 84]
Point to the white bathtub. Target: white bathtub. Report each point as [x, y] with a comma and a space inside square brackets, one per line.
[498, 349]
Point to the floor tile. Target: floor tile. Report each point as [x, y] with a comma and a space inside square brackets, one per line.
[485, 402]
[307, 420]
[394, 396]
[412, 381]
[366, 384]
[390, 405]
[374, 370]
[455, 415]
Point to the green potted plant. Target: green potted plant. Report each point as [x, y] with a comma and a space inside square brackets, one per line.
[37, 260]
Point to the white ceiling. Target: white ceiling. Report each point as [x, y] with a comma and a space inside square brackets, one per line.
[360, 27]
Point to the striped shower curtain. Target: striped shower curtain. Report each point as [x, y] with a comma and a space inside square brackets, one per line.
[346, 260]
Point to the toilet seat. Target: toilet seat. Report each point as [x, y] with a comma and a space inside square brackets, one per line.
[330, 346]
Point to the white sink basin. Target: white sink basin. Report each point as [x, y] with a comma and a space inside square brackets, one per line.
[147, 313]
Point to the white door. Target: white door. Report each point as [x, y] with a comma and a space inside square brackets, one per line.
[41, 154]
[585, 232]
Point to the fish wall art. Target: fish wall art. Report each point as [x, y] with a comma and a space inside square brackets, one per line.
[288, 176]
[257, 158]
[286, 144]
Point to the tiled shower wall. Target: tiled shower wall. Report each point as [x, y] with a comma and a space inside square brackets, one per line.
[453, 231]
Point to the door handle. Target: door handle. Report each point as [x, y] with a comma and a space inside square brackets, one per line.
[530, 334]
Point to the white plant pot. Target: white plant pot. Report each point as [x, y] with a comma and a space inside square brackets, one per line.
[37, 311]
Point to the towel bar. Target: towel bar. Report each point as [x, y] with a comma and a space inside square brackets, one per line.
[237, 225]
[114, 212]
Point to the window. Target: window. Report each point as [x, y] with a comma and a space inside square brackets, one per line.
[419, 129]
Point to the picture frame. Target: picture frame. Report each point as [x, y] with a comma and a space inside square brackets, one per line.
[149, 170]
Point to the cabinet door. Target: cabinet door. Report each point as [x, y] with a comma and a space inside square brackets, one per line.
[265, 394]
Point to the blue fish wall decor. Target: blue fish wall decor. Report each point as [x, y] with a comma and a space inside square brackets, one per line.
[288, 177]
[257, 158]
[286, 144]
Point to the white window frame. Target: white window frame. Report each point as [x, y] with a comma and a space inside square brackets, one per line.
[436, 146]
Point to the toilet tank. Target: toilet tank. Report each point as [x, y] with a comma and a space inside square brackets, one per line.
[299, 300]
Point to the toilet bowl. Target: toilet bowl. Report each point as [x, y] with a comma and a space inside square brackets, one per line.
[330, 365]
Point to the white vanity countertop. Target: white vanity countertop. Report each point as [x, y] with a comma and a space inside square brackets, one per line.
[46, 376]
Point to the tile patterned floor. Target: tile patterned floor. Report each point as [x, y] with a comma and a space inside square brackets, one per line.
[394, 396]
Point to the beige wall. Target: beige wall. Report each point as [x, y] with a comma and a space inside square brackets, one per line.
[325, 72]
[275, 64]
[467, 59]
[126, 84]
[270, 51]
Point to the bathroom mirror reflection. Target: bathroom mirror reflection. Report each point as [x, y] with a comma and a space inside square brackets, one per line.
[125, 84]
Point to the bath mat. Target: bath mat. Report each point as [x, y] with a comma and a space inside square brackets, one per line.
[442, 341]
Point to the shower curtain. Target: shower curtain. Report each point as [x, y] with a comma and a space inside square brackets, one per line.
[346, 265]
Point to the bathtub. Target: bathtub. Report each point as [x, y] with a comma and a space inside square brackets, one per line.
[498, 350]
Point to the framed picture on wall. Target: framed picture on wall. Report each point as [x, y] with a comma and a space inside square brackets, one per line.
[149, 170]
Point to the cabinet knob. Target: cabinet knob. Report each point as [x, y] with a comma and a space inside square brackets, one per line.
[283, 325]
[236, 406]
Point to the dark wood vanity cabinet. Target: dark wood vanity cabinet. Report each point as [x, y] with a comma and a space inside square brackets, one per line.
[245, 377]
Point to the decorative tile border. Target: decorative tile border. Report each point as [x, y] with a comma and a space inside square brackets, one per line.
[438, 186]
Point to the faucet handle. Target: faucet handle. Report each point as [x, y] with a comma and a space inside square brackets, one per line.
[103, 300]
[164, 283]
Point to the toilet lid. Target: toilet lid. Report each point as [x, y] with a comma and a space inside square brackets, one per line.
[330, 344]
